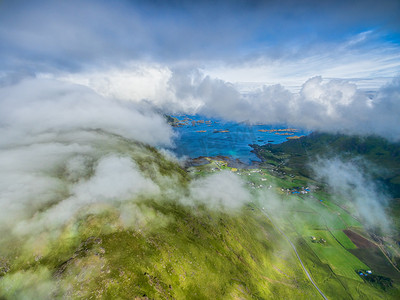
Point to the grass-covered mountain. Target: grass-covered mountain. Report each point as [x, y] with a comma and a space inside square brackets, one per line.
[172, 241]
[121, 220]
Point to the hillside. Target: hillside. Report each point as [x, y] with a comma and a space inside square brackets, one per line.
[297, 154]
[166, 244]
[207, 232]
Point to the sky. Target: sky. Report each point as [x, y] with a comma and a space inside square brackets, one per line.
[237, 41]
[313, 64]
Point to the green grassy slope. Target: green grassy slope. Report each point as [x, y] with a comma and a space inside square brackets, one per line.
[198, 254]
[167, 247]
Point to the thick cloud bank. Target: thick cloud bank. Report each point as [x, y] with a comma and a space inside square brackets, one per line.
[324, 105]
[332, 106]
[38, 106]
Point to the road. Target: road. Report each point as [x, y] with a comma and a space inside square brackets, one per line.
[297, 254]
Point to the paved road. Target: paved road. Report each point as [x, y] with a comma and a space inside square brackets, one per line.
[297, 254]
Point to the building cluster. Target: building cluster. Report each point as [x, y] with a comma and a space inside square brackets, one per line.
[258, 186]
[297, 190]
[316, 240]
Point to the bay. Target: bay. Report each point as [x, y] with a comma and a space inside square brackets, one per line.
[200, 136]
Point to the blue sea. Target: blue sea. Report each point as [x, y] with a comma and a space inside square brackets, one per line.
[201, 136]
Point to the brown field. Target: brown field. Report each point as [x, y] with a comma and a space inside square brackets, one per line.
[358, 240]
[377, 262]
[372, 256]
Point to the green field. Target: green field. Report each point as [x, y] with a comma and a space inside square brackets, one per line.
[343, 239]
[341, 261]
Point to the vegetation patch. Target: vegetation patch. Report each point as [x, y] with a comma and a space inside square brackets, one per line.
[376, 280]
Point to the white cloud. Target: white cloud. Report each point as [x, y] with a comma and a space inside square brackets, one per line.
[115, 179]
[222, 190]
[135, 81]
[37, 106]
[349, 181]
[371, 69]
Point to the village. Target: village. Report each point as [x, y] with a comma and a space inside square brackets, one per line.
[258, 182]
[296, 190]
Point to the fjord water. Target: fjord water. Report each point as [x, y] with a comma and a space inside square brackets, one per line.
[218, 137]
